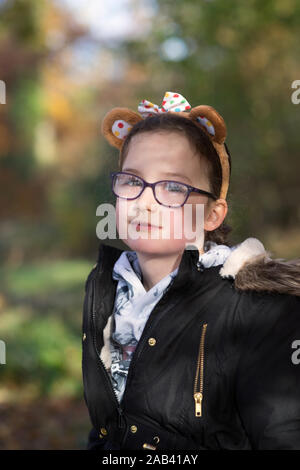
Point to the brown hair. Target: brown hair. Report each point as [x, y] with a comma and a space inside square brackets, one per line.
[199, 140]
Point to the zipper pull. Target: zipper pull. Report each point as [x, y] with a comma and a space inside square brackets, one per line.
[121, 424]
[148, 446]
[198, 403]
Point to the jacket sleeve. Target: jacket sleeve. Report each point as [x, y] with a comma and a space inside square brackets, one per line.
[268, 373]
[94, 442]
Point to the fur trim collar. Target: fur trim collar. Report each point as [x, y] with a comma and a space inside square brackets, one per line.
[252, 268]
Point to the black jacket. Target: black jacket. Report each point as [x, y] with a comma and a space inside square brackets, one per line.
[205, 338]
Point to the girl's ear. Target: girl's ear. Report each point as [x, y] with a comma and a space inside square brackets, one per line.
[210, 121]
[117, 123]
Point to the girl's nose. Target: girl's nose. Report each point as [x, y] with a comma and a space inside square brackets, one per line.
[146, 200]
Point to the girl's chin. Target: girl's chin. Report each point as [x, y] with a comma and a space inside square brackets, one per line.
[150, 246]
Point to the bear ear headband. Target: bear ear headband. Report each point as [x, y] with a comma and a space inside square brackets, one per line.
[118, 122]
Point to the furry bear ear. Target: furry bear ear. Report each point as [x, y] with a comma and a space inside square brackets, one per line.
[117, 124]
[210, 121]
[214, 126]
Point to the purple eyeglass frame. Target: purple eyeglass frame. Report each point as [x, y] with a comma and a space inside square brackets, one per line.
[190, 189]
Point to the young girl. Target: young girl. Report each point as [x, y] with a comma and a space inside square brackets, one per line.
[188, 342]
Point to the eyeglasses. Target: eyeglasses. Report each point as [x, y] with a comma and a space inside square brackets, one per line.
[167, 193]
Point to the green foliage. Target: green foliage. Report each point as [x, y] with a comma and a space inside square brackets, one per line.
[73, 209]
[42, 328]
[26, 109]
[43, 352]
[27, 106]
[44, 277]
[22, 19]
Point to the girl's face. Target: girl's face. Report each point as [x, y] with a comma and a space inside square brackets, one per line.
[163, 156]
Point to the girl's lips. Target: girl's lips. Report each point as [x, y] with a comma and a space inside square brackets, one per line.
[147, 226]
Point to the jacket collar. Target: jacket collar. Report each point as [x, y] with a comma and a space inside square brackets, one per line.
[249, 265]
[188, 268]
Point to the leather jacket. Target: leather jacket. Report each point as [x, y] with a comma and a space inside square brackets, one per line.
[213, 369]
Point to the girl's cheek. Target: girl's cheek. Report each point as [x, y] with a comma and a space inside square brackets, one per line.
[117, 214]
[125, 212]
[197, 223]
[173, 226]
[121, 215]
[188, 224]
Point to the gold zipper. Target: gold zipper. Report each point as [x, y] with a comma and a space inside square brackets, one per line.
[198, 395]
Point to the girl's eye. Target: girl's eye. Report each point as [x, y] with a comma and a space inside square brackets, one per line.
[175, 187]
[131, 181]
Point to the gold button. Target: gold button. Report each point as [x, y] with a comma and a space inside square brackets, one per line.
[103, 431]
[83, 337]
[133, 428]
[152, 341]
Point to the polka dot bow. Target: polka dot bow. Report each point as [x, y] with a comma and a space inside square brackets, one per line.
[171, 102]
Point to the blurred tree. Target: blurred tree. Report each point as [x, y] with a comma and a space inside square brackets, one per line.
[43, 133]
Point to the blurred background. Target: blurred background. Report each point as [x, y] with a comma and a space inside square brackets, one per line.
[65, 63]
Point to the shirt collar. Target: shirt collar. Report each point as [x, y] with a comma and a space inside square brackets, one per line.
[188, 272]
[127, 268]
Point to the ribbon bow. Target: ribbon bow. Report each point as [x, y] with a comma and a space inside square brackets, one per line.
[171, 102]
